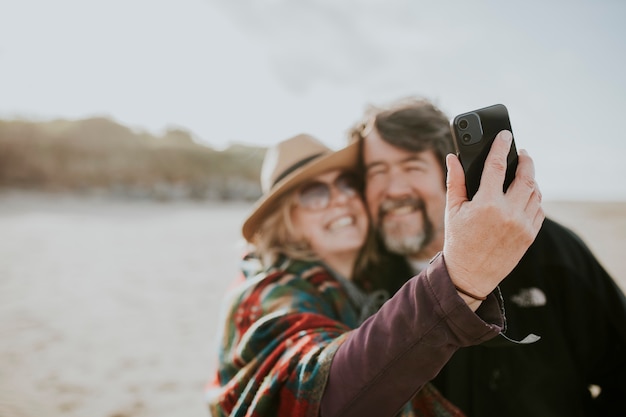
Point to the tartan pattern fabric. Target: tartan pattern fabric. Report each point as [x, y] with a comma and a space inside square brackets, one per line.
[280, 332]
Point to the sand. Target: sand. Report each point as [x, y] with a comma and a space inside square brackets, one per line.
[109, 308]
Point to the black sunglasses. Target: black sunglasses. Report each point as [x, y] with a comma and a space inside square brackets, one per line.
[316, 195]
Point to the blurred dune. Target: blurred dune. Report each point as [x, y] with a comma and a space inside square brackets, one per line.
[100, 156]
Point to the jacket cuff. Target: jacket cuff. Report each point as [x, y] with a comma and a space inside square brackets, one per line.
[472, 328]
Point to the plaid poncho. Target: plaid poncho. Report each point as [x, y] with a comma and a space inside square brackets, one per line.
[280, 332]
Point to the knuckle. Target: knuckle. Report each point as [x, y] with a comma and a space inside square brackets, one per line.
[498, 165]
[530, 234]
[529, 182]
[526, 234]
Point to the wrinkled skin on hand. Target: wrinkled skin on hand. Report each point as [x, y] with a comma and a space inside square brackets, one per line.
[486, 237]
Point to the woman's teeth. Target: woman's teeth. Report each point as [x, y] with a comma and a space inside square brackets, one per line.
[341, 222]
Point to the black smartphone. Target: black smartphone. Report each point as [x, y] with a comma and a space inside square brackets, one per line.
[473, 134]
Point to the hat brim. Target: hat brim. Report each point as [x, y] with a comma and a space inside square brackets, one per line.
[343, 159]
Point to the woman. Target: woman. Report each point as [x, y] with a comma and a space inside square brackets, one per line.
[294, 342]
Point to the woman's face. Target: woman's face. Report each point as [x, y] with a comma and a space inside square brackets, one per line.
[330, 215]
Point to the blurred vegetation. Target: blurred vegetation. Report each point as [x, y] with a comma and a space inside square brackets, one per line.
[98, 155]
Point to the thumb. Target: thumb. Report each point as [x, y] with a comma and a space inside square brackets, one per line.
[455, 182]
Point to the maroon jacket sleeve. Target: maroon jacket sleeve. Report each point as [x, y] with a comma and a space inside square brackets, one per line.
[383, 363]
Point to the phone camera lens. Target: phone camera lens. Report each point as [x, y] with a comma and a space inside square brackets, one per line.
[463, 124]
[466, 138]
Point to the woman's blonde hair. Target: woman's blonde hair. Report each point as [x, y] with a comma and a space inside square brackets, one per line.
[278, 237]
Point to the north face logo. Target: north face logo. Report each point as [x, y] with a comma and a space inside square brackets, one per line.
[530, 297]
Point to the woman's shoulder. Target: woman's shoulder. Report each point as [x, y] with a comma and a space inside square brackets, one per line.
[285, 276]
[253, 270]
[279, 292]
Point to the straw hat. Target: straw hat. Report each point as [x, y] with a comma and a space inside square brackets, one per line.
[290, 163]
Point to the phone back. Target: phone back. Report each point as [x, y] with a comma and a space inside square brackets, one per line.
[473, 134]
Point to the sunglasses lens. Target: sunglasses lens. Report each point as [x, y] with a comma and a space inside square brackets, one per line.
[317, 195]
[314, 196]
[347, 184]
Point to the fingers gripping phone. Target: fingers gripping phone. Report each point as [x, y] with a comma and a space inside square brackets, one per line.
[473, 134]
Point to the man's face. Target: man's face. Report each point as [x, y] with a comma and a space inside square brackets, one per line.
[406, 197]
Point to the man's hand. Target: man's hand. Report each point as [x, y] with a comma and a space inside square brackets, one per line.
[486, 237]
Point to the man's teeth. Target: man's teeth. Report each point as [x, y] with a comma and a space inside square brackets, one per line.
[341, 222]
[402, 210]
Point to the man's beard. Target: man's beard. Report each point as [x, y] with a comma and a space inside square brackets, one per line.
[394, 233]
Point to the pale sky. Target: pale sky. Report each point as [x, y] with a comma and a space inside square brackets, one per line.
[259, 71]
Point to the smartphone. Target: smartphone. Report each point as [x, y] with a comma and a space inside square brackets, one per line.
[473, 134]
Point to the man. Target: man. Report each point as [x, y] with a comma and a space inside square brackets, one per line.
[558, 291]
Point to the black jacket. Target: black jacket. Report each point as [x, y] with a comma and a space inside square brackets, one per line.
[560, 292]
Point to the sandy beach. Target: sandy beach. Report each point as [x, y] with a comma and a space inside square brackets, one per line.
[108, 308]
